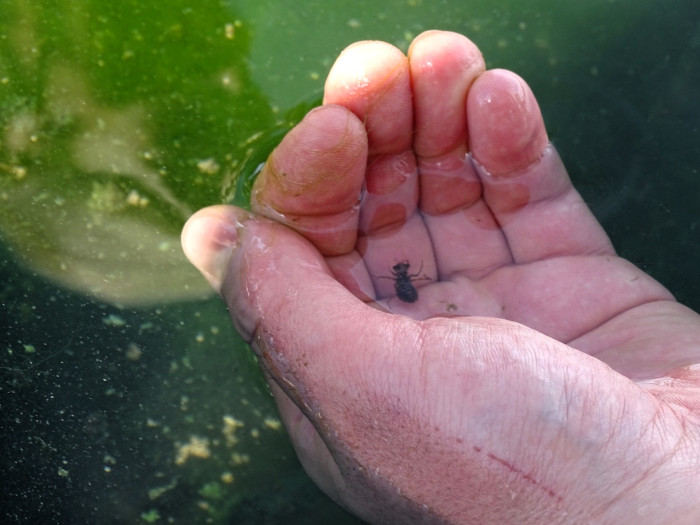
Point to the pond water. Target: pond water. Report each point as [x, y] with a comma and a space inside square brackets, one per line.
[125, 394]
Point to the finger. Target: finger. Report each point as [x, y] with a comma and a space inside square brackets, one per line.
[525, 184]
[443, 67]
[209, 238]
[372, 79]
[313, 179]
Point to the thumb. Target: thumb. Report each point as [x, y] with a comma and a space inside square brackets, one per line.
[272, 279]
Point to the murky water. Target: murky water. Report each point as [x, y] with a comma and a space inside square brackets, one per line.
[125, 395]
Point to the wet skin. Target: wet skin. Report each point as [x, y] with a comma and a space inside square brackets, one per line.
[537, 378]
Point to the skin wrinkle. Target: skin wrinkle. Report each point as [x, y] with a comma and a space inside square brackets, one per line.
[628, 488]
[623, 310]
[656, 465]
[681, 403]
[641, 303]
[494, 184]
[626, 310]
[293, 186]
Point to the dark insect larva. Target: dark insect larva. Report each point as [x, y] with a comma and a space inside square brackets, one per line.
[403, 281]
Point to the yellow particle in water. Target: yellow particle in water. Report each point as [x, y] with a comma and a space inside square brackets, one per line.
[133, 198]
[114, 320]
[240, 459]
[227, 477]
[106, 197]
[19, 172]
[197, 447]
[151, 516]
[133, 352]
[231, 81]
[272, 423]
[231, 424]
[157, 492]
[230, 31]
[208, 166]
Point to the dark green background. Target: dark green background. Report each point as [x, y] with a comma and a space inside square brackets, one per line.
[117, 120]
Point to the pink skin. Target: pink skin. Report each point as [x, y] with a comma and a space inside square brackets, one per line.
[539, 378]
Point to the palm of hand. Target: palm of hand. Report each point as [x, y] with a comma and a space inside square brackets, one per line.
[480, 208]
[431, 162]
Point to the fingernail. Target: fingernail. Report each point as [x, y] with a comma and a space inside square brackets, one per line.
[209, 238]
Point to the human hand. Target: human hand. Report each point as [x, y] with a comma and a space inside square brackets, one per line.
[537, 378]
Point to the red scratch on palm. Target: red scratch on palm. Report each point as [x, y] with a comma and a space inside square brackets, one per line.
[527, 477]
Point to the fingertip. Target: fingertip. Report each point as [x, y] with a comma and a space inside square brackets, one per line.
[506, 130]
[358, 68]
[208, 239]
[443, 65]
[372, 80]
[319, 165]
[435, 42]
